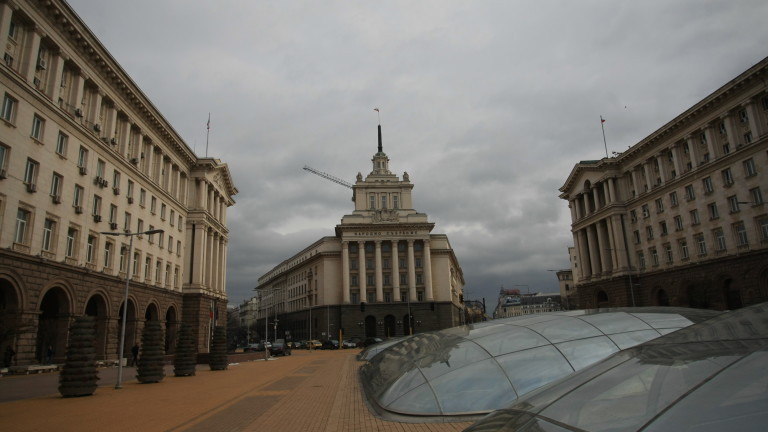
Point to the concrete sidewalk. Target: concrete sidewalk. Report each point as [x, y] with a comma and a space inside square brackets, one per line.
[316, 391]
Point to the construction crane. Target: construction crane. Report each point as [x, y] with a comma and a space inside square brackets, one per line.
[328, 177]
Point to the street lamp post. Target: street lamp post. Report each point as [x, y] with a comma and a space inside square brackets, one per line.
[309, 291]
[130, 235]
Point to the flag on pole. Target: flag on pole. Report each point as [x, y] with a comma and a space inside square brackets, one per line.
[602, 120]
[208, 125]
[376, 109]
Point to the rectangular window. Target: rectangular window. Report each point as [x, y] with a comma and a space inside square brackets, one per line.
[129, 192]
[633, 215]
[112, 213]
[713, 212]
[418, 262]
[663, 228]
[49, 231]
[178, 247]
[170, 243]
[733, 204]
[180, 222]
[353, 281]
[30, 174]
[636, 234]
[9, 108]
[61, 144]
[37, 128]
[82, 159]
[71, 243]
[640, 259]
[354, 298]
[108, 255]
[160, 239]
[371, 297]
[369, 280]
[726, 148]
[668, 253]
[127, 221]
[420, 296]
[116, 182]
[654, 257]
[763, 224]
[387, 280]
[4, 156]
[690, 194]
[158, 270]
[719, 237]
[678, 223]
[167, 273]
[649, 233]
[673, 199]
[419, 279]
[702, 244]
[142, 197]
[56, 184]
[78, 199]
[101, 168]
[749, 167]
[172, 217]
[659, 205]
[695, 217]
[151, 237]
[741, 234]
[136, 260]
[153, 205]
[646, 211]
[727, 177]
[372, 202]
[384, 201]
[388, 297]
[395, 203]
[140, 226]
[403, 281]
[684, 249]
[147, 267]
[757, 196]
[123, 259]
[707, 182]
[96, 210]
[90, 248]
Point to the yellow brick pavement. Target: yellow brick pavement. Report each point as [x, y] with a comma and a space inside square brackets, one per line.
[304, 392]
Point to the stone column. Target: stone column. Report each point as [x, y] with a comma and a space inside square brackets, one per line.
[612, 197]
[676, 159]
[379, 282]
[693, 148]
[428, 271]
[635, 185]
[596, 196]
[198, 266]
[395, 271]
[411, 271]
[345, 271]
[755, 126]
[603, 245]
[730, 131]
[660, 161]
[594, 253]
[362, 273]
[709, 138]
[574, 212]
[56, 68]
[648, 179]
[586, 266]
[29, 57]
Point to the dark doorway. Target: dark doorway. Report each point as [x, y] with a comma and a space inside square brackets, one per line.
[370, 326]
[662, 299]
[52, 326]
[732, 295]
[97, 308]
[390, 326]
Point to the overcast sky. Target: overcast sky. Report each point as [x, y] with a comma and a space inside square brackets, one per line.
[486, 104]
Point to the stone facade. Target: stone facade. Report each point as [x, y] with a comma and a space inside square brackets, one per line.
[87, 167]
[382, 261]
[679, 218]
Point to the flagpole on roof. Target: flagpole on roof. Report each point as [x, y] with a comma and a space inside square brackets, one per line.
[602, 125]
[208, 133]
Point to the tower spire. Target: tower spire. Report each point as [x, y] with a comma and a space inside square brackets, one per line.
[381, 147]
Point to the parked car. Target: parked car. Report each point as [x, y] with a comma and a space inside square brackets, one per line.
[316, 344]
[371, 341]
[330, 345]
[263, 345]
[280, 348]
[299, 344]
[251, 347]
[348, 343]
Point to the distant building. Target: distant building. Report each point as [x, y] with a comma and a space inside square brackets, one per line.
[383, 261]
[679, 218]
[83, 152]
[512, 303]
[568, 292]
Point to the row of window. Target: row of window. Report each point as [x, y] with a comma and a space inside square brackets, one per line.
[387, 279]
[23, 235]
[354, 297]
[750, 170]
[386, 263]
[718, 238]
[384, 199]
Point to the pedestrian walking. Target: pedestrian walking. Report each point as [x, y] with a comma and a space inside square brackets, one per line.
[135, 352]
[8, 356]
[49, 355]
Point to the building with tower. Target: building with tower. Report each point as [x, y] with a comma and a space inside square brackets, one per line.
[679, 218]
[383, 265]
[84, 152]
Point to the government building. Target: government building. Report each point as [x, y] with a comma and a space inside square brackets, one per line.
[85, 159]
[679, 218]
[383, 266]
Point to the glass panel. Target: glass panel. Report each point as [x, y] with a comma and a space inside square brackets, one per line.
[628, 340]
[420, 400]
[616, 322]
[626, 397]
[664, 331]
[477, 331]
[661, 320]
[450, 358]
[531, 369]
[736, 399]
[481, 386]
[565, 329]
[513, 339]
[405, 383]
[582, 353]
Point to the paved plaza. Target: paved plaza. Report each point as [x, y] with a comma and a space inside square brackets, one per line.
[316, 391]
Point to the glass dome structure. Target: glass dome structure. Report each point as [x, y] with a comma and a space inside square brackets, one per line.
[475, 369]
[711, 376]
[371, 351]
